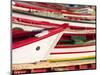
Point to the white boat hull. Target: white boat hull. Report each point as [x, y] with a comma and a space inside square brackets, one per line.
[29, 54]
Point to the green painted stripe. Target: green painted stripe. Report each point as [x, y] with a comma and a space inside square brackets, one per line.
[22, 12]
[93, 58]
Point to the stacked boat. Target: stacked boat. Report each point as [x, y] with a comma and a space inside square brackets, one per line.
[76, 13]
[72, 43]
[75, 45]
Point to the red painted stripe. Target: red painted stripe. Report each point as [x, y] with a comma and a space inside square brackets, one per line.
[20, 72]
[38, 70]
[93, 66]
[83, 67]
[50, 10]
[32, 40]
[73, 46]
[71, 52]
[29, 21]
[73, 34]
[81, 28]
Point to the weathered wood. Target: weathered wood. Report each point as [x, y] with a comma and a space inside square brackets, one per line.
[45, 64]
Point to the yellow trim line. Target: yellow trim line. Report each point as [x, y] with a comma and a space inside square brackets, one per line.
[68, 59]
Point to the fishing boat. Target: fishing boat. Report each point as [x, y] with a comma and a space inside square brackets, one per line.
[75, 44]
[32, 40]
[36, 9]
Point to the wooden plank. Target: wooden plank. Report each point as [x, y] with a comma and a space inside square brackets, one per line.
[46, 64]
